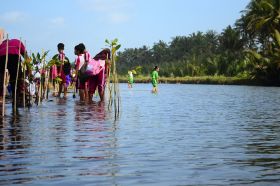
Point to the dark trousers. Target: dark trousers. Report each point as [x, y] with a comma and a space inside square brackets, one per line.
[12, 68]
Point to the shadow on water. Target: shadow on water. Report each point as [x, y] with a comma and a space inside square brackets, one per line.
[43, 143]
[14, 144]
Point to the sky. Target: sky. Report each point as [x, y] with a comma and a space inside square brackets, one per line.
[43, 24]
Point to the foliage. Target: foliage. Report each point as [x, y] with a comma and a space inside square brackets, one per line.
[250, 49]
[260, 23]
[193, 55]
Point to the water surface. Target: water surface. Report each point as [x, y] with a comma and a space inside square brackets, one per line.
[184, 135]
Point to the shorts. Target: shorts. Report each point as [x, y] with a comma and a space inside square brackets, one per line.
[68, 80]
[97, 81]
[12, 68]
[81, 85]
[130, 81]
[154, 83]
[63, 77]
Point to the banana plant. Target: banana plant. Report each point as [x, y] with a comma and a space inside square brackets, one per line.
[39, 68]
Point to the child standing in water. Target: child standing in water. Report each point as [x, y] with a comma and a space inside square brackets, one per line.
[63, 70]
[79, 62]
[130, 79]
[154, 76]
[99, 80]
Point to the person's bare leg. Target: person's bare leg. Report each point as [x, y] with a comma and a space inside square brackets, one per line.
[90, 96]
[60, 90]
[82, 95]
[65, 90]
[54, 88]
[101, 93]
[86, 92]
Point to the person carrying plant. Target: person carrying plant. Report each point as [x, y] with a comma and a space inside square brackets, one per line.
[154, 76]
[63, 69]
[16, 49]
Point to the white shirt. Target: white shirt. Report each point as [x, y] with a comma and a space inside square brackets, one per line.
[81, 60]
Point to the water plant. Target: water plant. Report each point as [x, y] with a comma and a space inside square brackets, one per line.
[26, 66]
[114, 94]
[39, 67]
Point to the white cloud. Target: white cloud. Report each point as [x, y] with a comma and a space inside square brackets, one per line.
[114, 11]
[58, 21]
[12, 17]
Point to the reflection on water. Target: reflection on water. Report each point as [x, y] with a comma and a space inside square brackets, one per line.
[185, 135]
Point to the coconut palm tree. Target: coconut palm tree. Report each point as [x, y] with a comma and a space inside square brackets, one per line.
[260, 23]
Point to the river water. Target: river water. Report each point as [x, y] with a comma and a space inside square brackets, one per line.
[184, 135]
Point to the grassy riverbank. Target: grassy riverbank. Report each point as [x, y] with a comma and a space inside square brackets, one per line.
[219, 80]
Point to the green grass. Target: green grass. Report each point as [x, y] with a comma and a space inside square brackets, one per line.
[219, 80]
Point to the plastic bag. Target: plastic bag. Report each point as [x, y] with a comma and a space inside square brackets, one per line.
[94, 67]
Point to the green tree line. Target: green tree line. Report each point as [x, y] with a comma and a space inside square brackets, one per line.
[250, 48]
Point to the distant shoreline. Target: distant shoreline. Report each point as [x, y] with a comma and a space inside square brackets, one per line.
[212, 80]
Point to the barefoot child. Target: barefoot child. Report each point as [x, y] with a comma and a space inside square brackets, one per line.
[79, 63]
[98, 81]
[154, 76]
[130, 79]
[63, 70]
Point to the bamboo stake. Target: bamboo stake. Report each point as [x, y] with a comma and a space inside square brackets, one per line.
[47, 84]
[15, 96]
[108, 82]
[24, 77]
[46, 81]
[39, 91]
[40, 87]
[29, 95]
[4, 81]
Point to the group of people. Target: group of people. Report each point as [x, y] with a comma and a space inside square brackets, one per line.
[79, 74]
[154, 78]
[85, 81]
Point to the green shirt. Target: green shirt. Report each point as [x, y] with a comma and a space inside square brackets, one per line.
[130, 79]
[154, 76]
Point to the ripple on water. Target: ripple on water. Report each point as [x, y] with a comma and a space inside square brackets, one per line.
[185, 135]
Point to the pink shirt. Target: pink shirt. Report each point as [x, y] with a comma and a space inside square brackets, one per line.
[14, 46]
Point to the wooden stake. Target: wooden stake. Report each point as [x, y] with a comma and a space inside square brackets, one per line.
[15, 96]
[24, 76]
[4, 81]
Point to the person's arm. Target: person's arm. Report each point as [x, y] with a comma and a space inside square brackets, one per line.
[77, 63]
[156, 76]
